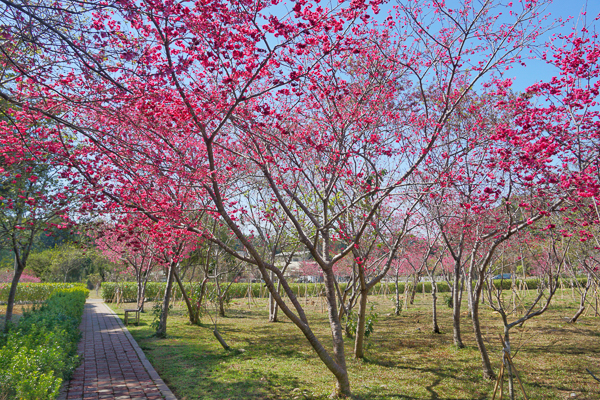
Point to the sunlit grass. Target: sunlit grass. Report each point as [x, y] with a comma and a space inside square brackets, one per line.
[404, 359]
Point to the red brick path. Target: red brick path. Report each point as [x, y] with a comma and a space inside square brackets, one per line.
[113, 366]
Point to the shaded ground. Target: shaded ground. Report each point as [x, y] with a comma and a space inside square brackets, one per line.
[404, 359]
[17, 313]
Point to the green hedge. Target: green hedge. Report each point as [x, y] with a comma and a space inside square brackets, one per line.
[155, 290]
[35, 292]
[41, 351]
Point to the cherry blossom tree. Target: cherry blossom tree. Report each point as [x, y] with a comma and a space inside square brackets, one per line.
[550, 265]
[32, 200]
[328, 109]
[583, 260]
[273, 235]
[130, 245]
[7, 276]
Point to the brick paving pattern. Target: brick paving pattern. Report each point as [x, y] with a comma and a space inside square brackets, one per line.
[113, 366]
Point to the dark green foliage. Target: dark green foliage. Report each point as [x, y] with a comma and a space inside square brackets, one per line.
[448, 300]
[352, 322]
[157, 313]
[41, 351]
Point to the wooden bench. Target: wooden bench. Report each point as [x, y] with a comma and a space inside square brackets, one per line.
[135, 311]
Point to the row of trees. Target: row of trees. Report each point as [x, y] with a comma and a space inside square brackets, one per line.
[327, 130]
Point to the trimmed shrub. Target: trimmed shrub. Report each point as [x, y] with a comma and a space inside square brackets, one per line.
[34, 292]
[41, 351]
[155, 290]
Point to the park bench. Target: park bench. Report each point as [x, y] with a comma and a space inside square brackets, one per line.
[136, 312]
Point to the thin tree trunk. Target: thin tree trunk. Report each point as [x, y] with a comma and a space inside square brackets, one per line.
[202, 294]
[19, 268]
[397, 308]
[142, 282]
[272, 303]
[470, 299]
[582, 301]
[436, 328]
[220, 298]
[249, 292]
[221, 307]
[162, 327]
[360, 325]
[140, 294]
[507, 364]
[221, 340]
[405, 293]
[276, 307]
[488, 372]
[413, 288]
[343, 383]
[193, 315]
[143, 298]
[456, 300]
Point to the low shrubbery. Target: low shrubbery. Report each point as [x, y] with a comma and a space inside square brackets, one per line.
[41, 351]
[34, 292]
[155, 290]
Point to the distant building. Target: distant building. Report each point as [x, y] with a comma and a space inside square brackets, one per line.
[301, 266]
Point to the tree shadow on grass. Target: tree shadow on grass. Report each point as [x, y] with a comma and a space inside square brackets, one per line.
[439, 374]
[203, 370]
[201, 373]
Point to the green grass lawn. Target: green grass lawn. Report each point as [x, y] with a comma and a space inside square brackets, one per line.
[404, 359]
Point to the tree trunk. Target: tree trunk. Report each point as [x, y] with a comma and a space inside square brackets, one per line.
[143, 297]
[582, 301]
[413, 288]
[193, 315]
[343, 383]
[276, 307]
[398, 308]
[272, 303]
[507, 364]
[19, 268]
[436, 328]
[221, 340]
[405, 293]
[456, 300]
[221, 306]
[138, 302]
[470, 299]
[202, 293]
[336, 363]
[360, 325]
[162, 327]
[488, 372]
[220, 300]
[140, 292]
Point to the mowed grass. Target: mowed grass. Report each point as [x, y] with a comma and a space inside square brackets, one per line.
[405, 360]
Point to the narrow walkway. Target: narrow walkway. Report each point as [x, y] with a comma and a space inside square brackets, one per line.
[113, 365]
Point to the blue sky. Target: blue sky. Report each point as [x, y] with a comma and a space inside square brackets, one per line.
[537, 70]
